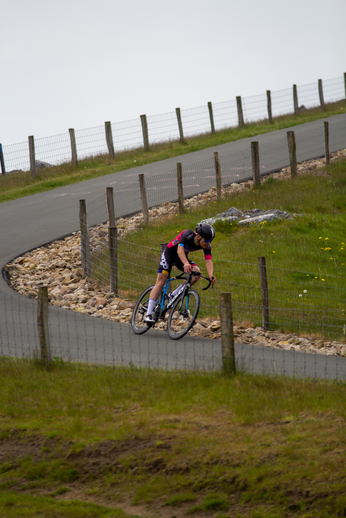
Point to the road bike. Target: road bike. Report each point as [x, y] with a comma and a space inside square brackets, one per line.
[182, 308]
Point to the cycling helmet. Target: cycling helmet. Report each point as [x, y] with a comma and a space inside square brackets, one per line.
[206, 231]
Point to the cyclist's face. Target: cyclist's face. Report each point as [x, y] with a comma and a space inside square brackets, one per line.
[203, 243]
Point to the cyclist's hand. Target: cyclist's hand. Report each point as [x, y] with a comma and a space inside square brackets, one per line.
[213, 280]
[187, 267]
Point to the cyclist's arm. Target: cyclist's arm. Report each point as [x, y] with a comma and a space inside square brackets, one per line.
[210, 268]
[183, 258]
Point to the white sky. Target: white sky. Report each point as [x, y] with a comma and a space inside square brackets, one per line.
[78, 63]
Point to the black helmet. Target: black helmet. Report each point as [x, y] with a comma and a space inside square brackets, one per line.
[206, 231]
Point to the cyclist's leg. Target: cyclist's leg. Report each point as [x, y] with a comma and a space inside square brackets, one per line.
[162, 276]
[160, 282]
[195, 269]
[154, 295]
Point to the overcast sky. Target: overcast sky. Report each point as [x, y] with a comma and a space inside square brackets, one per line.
[78, 63]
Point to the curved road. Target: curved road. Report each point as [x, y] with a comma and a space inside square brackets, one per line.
[33, 221]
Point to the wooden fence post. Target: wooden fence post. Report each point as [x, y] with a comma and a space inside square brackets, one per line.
[85, 243]
[256, 174]
[32, 156]
[269, 106]
[110, 206]
[144, 199]
[211, 116]
[180, 126]
[112, 241]
[73, 147]
[145, 132]
[320, 93]
[295, 101]
[42, 325]
[227, 339]
[292, 152]
[113, 259]
[109, 139]
[180, 188]
[218, 175]
[264, 291]
[240, 112]
[2, 160]
[326, 140]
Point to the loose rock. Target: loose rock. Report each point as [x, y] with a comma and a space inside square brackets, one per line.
[59, 267]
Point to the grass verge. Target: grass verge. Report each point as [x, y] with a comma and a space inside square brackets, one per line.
[93, 441]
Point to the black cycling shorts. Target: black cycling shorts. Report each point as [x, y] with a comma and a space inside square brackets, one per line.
[169, 258]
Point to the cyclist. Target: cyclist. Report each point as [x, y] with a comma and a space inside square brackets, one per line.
[176, 254]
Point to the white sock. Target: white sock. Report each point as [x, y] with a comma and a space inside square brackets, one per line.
[151, 305]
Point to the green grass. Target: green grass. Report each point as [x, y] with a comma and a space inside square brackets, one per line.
[305, 256]
[23, 184]
[13, 505]
[79, 441]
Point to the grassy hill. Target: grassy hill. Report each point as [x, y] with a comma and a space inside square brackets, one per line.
[98, 442]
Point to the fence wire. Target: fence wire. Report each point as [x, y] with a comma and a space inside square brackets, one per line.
[199, 177]
[127, 135]
[106, 338]
[300, 303]
[225, 115]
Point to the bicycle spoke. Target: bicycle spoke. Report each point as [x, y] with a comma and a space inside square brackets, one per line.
[137, 321]
[183, 315]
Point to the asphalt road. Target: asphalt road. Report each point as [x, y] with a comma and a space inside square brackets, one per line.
[33, 221]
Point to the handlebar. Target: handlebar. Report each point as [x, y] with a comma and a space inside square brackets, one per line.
[196, 274]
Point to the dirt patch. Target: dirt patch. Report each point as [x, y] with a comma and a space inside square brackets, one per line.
[93, 459]
[110, 473]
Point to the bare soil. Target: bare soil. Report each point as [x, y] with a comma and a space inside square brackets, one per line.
[110, 472]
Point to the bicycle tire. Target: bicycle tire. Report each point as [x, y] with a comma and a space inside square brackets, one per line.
[179, 321]
[137, 320]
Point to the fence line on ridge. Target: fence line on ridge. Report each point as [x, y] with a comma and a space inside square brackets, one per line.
[182, 123]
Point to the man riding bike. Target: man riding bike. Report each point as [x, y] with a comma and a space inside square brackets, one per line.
[176, 254]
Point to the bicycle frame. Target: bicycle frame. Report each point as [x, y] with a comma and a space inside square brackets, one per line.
[182, 291]
[164, 291]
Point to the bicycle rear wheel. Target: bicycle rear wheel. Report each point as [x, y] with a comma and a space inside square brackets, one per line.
[183, 315]
[137, 320]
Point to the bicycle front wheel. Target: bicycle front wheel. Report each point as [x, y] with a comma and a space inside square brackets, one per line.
[137, 320]
[183, 315]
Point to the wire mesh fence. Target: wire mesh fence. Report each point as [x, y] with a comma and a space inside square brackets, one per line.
[16, 157]
[163, 128]
[53, 150]
[128, 135]
[161, 186]
[225, 115]
[107, 338]
[282, 102]
[300, 303]
[255, 108]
